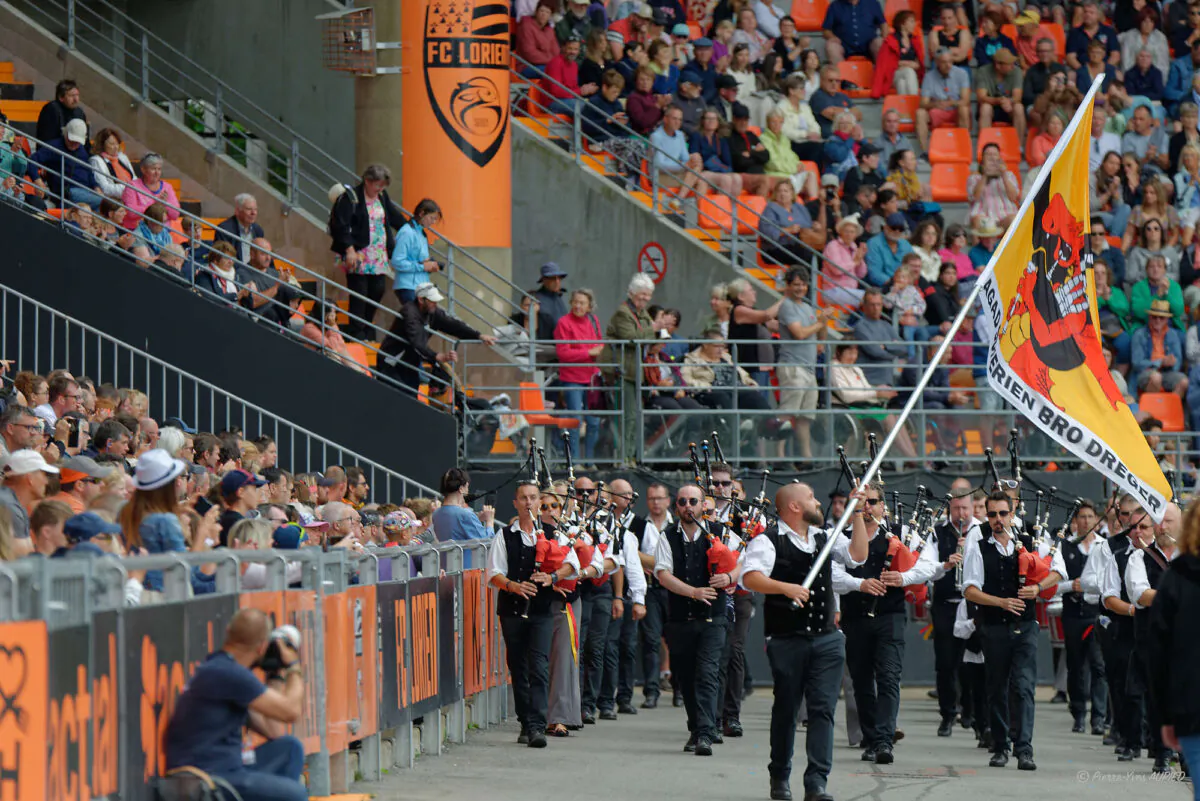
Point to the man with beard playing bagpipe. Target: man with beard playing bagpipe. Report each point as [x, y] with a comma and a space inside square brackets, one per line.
[804, 647]
[697, 561]
[1003, 575]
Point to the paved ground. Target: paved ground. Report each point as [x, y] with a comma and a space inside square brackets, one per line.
[642, 757]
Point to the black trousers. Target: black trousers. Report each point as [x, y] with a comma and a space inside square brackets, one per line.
[809, 150]
[1085, 668]
[1105, 636]
[1139, 692]
[947, 658]
[362, 313]
[650, 634]
[875, 655]
[808, 670]
[696, 647]
[595, 618]
[1010, 660]
[527, 642]
[616, 655]
[1130, 712]
[626, 644]
[733, 669]
[973, 678]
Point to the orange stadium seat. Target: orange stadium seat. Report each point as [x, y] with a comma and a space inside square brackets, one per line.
[950, 146]
[892, 7]
[949, 182]
[907, 105]
[1005, 138]
[809, 14]
[1166, 406]
[861, 73]
[533, 406]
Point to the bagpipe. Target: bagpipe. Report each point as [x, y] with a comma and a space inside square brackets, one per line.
[900, 557]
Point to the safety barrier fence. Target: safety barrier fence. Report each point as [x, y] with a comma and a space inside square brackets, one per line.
[38, 338]
[390, 638]
[231, 124]
[960, 415]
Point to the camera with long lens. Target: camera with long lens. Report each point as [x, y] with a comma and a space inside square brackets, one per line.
[830, 194]
[271, 661]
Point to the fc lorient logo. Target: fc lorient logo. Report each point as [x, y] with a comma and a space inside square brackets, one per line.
[463, 42]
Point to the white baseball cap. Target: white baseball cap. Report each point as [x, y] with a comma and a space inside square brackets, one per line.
[75, 131]
[26, 461]
[430, 292]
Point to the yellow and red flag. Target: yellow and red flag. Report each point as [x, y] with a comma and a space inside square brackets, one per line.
[1040, 300]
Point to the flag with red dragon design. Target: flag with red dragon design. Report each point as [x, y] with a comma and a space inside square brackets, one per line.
[1046, 358]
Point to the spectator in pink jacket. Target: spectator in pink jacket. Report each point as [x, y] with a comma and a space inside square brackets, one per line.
[147, 190]
[578, 334]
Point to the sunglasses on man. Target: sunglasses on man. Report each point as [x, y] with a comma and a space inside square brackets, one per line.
[548, 506]
[687, 501]
[999, 514]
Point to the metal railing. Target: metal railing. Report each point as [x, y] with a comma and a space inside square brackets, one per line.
[742, 250]
[39, 338]
[231, 124]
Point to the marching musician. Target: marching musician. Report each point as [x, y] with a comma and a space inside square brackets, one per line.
[951, 538]
[873, 620]
[597, 597]
[647, 530]
[837, 505]
[804, 648]
[525, 611]
[1008, 628]
[733, 666]
[1154, 550]
[1080, 608]
[1127, 716]
[722, 482]
[696, 613]
[972, 673]
[621, 648]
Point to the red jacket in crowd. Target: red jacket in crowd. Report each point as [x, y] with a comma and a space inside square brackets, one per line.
[562, 73]
[537, 44]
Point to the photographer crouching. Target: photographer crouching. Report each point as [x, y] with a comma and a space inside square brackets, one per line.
[224, 695]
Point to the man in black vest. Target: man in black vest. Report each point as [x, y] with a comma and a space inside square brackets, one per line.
[524, 609]
[1109, 536]
[1128, 712]
[1008, 627]
[1155, 550]
[697, 615]
[647, 530]
[595, 621]
[804, 648]
[628, 606]
[873, 621]
[947, 597]
[1080, 607]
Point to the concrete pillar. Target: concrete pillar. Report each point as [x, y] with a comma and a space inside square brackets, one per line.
[377, 109]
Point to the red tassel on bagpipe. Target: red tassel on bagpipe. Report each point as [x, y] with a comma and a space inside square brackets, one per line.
[1034, 568]
[900, 559]
[720, 558]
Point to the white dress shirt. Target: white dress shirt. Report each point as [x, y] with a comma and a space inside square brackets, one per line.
[973, 560]
[650, 537]
[664, 559]
[498, 561]
[1065, 586]
[921, 572]
[971, 528]
[964, 627]
[760, 553]
[1136, 581]
[1111, 581]
[1092, 577]
[635, 578]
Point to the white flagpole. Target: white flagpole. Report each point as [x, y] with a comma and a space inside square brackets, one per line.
[1042, 176]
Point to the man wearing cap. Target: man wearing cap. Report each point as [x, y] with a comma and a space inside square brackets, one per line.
[635, 27]
[867, 171]
[1179, 78]
[25, 475]
[1156, 351]
[407, 345]
[537, 42]
[999, 93]
[575, 23]
[853, 28]
[726, 98]
[55, 115]
[945, 98]
[239, 491]
[67, 155]
[689, 101]
[1092, 29]
[551, 299]
[749, 155]
[1028, 24]
[78, 532]
[702, 66]
[80, 482]
[887, 249]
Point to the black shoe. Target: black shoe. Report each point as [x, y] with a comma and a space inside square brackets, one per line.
[523, 738]
[1059, 698]
[999, 759]
[897, 736]
[1098, 730]
[650, 703]
[1108, 738]
[1162, 762]
[1025, 762]
[537, 739]
[1078, 728]
[717, 739]
[933, 694]
[946, 729]
[821, 796]
[780, 790]
[966, 722]
[884, 756]
[589, 716]
[703, 746]
[608, 714]
[677, 699]
[868, 754]
[1128, 754]
[985, 742]
[626, 709]
[747, 692]
[690, 745]
[733, 729]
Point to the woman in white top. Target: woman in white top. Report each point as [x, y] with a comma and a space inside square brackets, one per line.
[1146, 36]
[799, 123]
[747, 32]
[851, 388]
[112, 166]
[741, 69]
[926, 241]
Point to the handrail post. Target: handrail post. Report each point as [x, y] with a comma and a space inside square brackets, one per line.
[145, 65]
[70, 24]
[733, 242]
[451, 273]
[322, 316]
[576, 130]
[294, 173]
[220, 123]
[654, 187]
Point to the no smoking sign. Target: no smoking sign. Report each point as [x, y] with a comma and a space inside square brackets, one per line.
[652, 261]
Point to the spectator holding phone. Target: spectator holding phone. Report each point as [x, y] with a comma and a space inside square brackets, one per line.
[454, 519]
[410, 257]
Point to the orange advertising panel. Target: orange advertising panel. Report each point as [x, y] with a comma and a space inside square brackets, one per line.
[301, 611]
[364, 678]
[338, 642]
[456, 121]
[24, 701]
[270, 603]
[474, 656]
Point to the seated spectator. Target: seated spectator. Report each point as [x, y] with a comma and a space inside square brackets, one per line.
[1108, 191]
[1094, 66]
[148, 189]
[562, 78]
[68, 175]
[879, 360]
[1146, 37]
[633, 58]
[782, 161]
[999, 93]
[954, 35]
[726, 97]
[1044, 142]
[14, 167]
[863, 202]
[747, 153]
[644, 107]
[1146, 142]
[991, 40]
[867, 171]
[112, 166]
[1157, 285]
[1180, 76]
[1091, 30]
[80, 482]
[713, 379]
[575, 22]
[853, 28]
[25, 479]
[220, 276]
[688, 100]
[1038, 73]
[789, 45]
[1187, 191]
[945, 98]
[242, 228]
[887, 203]
[770, 76]
[46, 527]
[941, 298]
[799, 124]
[677, 168]
[747, 33]
[1062, 96]
[536, 41]
[844, 264]
[605, 123]
[886, 249]
[1114, 314]
[741, 69]
[901, 60]
[1188, 134]
[592, 65]
[1157, 353]
[838, 156]
[926, 241]
[720, 307]
[904, 300]
[152, 234]
[717, 163]
[1101, 248]
[150, 519]
[783, 226]
[577, 337]
[635, 26]
[890, 139]
[407, 345]
[680, 33]
[902, 174]
[852, 388]
[829, 101]
[662, 382]
[987, 235]
[1189, 277]
[703, 67]
[1154, 206]
[55, 115]
[662, 58]
[328, 338]
[994, 191]
[1144, 79]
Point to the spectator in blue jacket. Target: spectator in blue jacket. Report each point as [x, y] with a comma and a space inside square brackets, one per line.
[68, 156]
[701, 65]
[454, 519]
[410, 258]
[714, 154]
[1179, 79]
[603, 115]
[1164, 374]
[887, 249]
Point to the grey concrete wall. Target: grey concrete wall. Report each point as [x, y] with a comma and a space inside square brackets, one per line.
[592, 229]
